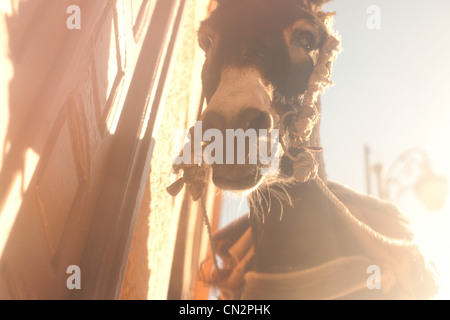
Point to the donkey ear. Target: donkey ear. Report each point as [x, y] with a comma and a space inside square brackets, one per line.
[318, 3]
[218, 2]
[314, 4]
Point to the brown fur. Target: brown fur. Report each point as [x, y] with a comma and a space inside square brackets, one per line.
[251, 33]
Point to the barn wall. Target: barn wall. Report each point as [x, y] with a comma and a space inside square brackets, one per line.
[152, 251]
[71, 139]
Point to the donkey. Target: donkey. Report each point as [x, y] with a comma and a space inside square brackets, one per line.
[305, 237]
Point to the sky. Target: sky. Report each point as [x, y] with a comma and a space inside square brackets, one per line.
[392, 90]
[391, 93]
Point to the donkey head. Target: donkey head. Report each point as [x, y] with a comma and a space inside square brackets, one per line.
[259, 57]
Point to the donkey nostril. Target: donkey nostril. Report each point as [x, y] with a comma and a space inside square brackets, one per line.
[252, 118]
[212, 120]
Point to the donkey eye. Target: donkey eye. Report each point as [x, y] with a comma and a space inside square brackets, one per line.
[206, 40]
[206, 43]
[304, 39]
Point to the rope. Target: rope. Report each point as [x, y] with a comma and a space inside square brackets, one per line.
[344, 212]
[212, 243]
[297, 126]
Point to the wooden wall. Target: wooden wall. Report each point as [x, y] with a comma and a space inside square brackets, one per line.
[80, 117]
[153, 255]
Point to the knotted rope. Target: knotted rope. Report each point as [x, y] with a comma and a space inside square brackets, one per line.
[294, 137]
[297, 126]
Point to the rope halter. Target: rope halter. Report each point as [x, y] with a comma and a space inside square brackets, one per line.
[296, 126]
